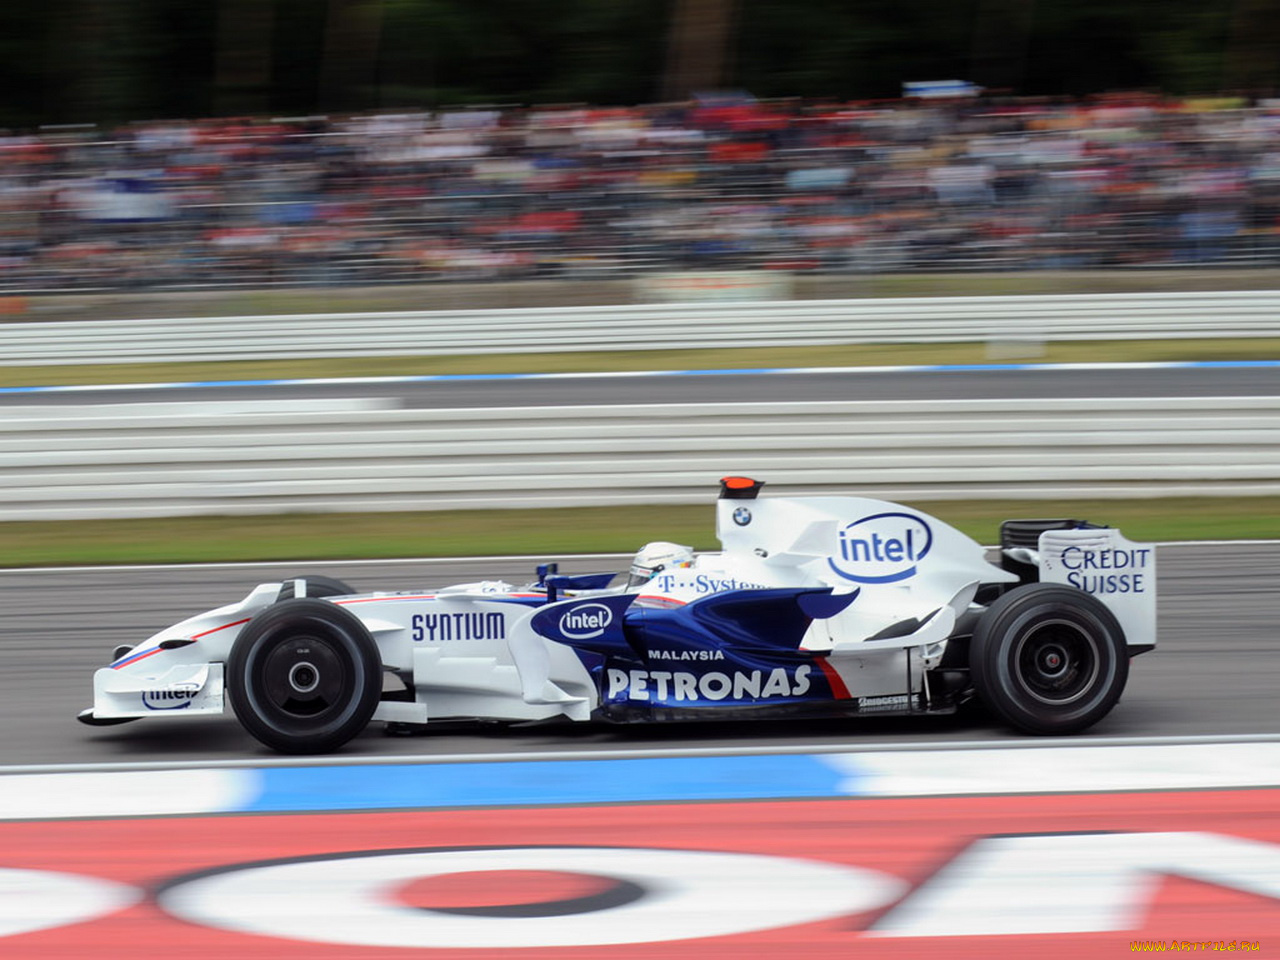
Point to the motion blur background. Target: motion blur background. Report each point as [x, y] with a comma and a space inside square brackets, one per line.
[186, 144]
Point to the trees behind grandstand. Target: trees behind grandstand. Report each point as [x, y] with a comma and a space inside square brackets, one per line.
[66, 61]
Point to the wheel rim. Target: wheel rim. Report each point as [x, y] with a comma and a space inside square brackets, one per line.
[1057, 662]
[303, 678]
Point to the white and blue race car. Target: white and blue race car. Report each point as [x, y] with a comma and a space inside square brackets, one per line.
[816, 606]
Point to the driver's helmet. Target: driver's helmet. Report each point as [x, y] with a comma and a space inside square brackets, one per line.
[656, 556]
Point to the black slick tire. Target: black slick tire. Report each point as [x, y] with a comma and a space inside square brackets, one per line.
[1049, 659]
[304, 676]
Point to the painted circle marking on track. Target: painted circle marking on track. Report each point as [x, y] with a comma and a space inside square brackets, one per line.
[515, 892]
[32, 900]
[353, 900]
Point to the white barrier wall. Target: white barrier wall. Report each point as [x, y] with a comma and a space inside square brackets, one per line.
[1135, 316]
[186, 458]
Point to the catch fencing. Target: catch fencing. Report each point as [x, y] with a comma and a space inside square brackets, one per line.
[791, 323]
[71, 461]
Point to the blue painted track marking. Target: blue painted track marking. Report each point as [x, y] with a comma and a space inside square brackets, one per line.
[1014, 767]
[562, 782]
[748, 371]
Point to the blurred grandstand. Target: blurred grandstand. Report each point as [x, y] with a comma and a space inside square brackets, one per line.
[1121, 182]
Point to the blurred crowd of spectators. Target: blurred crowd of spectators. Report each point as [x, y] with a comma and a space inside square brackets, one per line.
[722, 184]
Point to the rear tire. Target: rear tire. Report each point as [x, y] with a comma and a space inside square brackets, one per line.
[304, 676]
[1049, 659]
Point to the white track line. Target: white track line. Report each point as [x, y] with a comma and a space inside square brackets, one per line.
[275, 564]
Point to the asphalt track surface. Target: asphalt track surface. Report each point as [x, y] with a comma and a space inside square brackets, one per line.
[1215, 673]
[728, 387]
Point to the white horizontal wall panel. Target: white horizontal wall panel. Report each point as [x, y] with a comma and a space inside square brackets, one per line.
[1135, 316]
[166, 459]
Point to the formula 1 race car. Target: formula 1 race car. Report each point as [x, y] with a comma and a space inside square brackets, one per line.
[816, 606]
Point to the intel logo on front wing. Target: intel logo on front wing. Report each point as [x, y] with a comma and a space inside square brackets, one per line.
[176, 697]
[883, 548]
[586, 621]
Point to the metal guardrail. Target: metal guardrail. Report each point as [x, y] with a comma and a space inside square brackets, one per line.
[647, 327]
[189, 458]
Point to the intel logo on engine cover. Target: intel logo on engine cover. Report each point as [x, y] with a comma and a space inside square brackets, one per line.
[883, 548]
[586, 621]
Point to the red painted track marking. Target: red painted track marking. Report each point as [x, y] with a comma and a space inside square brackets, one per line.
[498, 887]
[909, 838]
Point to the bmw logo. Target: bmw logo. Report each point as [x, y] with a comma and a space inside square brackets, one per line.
[742, 516]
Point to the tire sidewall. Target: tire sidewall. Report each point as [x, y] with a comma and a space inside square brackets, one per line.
[1013, 621]
[344, 634]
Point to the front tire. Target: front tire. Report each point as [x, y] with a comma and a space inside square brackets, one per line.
[1049, 659]
[304, 676]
